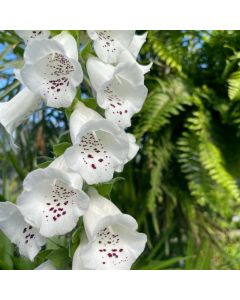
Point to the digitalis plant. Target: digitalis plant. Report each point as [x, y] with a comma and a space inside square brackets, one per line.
[64, 198]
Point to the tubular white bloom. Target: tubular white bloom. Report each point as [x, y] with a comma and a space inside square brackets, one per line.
[13, 225]
[126, 56]
[30, 35]
[99, 146]
[136, 44]
[47, 265]
[15, 111]
[52, 199]
[109, 44]
[111, 240]
[52, 69]
[133, 150]
[120, 90]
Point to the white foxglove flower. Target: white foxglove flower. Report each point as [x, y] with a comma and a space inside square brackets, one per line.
[99, 146]
[52, 69]
[13, 225]
[133, 150]
[131, 54]
[136, 44]
[111, 241]
[109, 44]
[30, 35]
[47, 265]
[52, 199]
[120, 90]
[126, 56]
[15, 111]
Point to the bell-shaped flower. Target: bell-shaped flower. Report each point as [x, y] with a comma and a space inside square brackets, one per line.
[132, 151]
[15, 111]
[131, 54]
[52, 199]
[47, 265]
[111, 240]
[127, 57]
[30, 35]
[22, 234]
[120, 90]
[109, 44]
[136, 44]
[52, 69]
[99, 146]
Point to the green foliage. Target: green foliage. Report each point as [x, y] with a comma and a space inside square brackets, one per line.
[203, 165]
[234, 86]
[166, 99]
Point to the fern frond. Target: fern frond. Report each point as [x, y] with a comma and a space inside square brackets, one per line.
[164, 101]
[234, 86]
[203, 164]
[165, 53]
[159, 157]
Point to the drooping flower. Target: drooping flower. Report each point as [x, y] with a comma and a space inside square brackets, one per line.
[109, 44]
[13, 225]
[111, 240]
[52, 69]
[126, 56]
[14, 112]
[132, 151]
[136, 44]
[52, 199]
[47, 265]
[120, 90]
[99, 146]
[30, 35]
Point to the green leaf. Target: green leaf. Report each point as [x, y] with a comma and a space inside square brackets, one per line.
[55, 32]
[60, 259]
[56, 242]
[6, 253]
[105, 188]
[163, 265]
[44, 164]
[90, 103]
[59, 149]
[87, 50]
[65, 137]
[43, 255]
[22, 263]
[76, 236]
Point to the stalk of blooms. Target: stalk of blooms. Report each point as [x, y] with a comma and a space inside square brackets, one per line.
[52, 69]
[14, 112]
[30, 35]
[119, 90]
[109, 44]
[111, 240]
[13, 225]
[47, 265]
[52, 199]
[99, 146]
